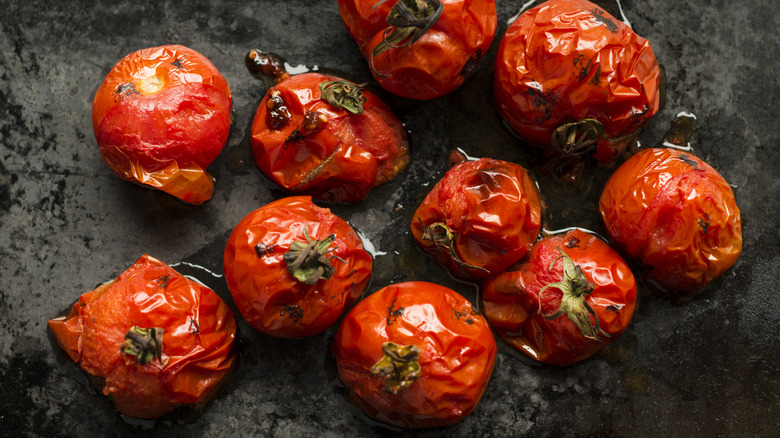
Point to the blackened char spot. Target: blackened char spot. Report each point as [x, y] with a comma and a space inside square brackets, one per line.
[600, 16]
[393, 313]
[178, 64]
[689, 161]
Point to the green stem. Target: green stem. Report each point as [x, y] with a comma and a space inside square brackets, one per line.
[399, 367]
[309, 262]
[144, 344]
[343, 94]
[444, 240]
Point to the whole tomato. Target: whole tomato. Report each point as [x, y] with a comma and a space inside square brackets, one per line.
[293, 267]
[161, 117]
[151, 339]
[572, 296]
[675, 214]
[324, 136]
[421, 49]
[572, 77]
[415, 354]
[481, 218]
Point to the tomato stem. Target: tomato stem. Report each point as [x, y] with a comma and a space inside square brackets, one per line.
[444, 240]
[399, 367]
[343, 94]
[309, 262]
[577, 138]
[144, 344]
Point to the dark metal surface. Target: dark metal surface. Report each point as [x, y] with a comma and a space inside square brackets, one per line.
[709, 367]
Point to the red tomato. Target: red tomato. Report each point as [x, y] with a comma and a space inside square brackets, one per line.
[324, 136]
[161, 117]
[570, 76]
[151, 339]
[675, 214]
[572, 296]
[293, 267]
[415, 354]
[480, 219]
[421, 49]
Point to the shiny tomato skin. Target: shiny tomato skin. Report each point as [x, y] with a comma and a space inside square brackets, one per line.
[197, 343]
[514, 309]
[491, 207]
[268, 296]
[457, 354]
[343, 160]
[676, 215]
[161, 117]
[440, 61]
[569, 60]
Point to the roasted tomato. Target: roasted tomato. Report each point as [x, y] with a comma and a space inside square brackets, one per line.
[324, 136]
[161, 117]
[480, 219]
[572, 77]
[293, 267]
[675, 214]
[573, 295]
[421, 49]
[414, 355]
[152, 339]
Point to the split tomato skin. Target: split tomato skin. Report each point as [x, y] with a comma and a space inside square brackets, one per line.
[161, 117]
[480, 218]
[341, 156]
[521, 303]
[676, 215]
[196, 343]
[454, 359]
[567, 67]
[437, 63]
[269, 296]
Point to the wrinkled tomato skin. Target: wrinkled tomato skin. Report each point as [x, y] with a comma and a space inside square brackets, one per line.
[199, 331]
[676, 215]
[569, 60]
[456, 359]
[161, 117]
[437, 63]
[269, 298]
[342, 161]
[492, 208]
[513, 307]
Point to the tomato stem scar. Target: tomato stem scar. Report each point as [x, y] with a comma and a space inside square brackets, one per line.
[144, 344]
[398, 368]
[309, 262]
[343, 94]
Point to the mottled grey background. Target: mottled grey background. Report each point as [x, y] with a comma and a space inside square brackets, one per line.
[710, 367]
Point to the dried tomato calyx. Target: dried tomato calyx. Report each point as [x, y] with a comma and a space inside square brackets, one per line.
[408, 20]
[577, 138]
[398, 368]
[309, 262]
[343, 94]
[144, 344]
[575, 286]
[266, 64]
[444, 240]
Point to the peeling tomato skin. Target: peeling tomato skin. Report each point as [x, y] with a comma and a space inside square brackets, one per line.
[440, 61]
[569, 60]
[268, 296]
[517, 311]
[676, 215]
[161, 117]
[493, 210]
[457, 354]
[197, 342]
[341, 161]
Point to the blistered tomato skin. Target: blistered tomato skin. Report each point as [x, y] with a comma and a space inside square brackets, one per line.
[311, 145]
[572, 296]
[293, 267]
[480, 219]
[414, 355]
[571, 77]
[424, 62]
[151, 339]
[676, 215]
[161, 117]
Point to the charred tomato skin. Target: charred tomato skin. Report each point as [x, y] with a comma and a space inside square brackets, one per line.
[569, 61]
[676, 215]
[437, 63]
[161, 117]
[519, 303]
[492, 211]
[270, 298]
[340, 159]
[456, 354]
[197, 339]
